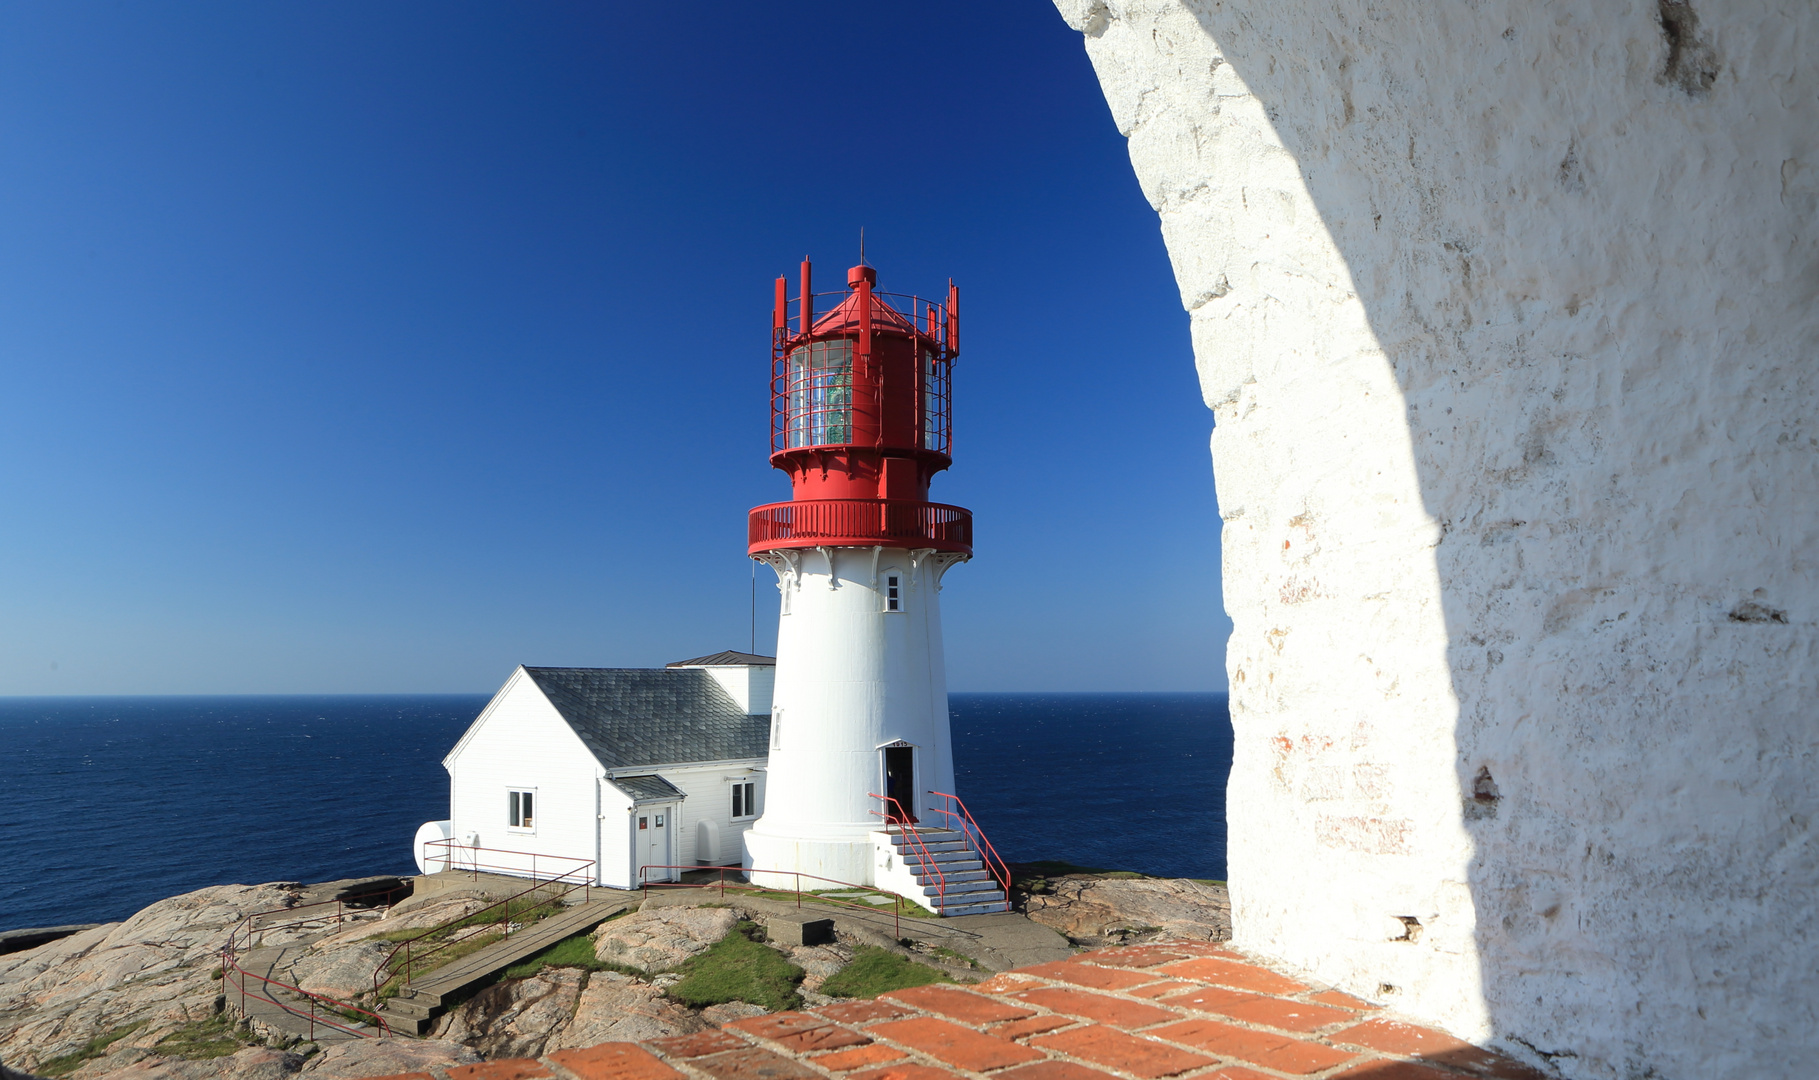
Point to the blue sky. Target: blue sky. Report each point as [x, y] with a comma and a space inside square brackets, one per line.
[381, 347]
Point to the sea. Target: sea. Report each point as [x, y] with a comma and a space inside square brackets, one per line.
[113, 803]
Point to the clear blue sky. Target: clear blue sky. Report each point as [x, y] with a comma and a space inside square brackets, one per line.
[381, 347]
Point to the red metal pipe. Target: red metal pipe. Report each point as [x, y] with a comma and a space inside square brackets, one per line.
[780, 314]
[953, 318]
[808, 300]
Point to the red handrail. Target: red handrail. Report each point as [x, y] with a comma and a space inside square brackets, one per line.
[645, 885]
[903, 820]
[384, 973]
[230, 963]
[987, 853]
[863, 522]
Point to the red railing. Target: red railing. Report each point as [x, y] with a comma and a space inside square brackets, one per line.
[579, 877]
[906, 825]
[645, 884]
[860, 523]
[967, 827]
[236, 976]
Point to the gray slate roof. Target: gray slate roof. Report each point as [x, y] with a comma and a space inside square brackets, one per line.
[636, 717]
[727, 659]
[648, 788]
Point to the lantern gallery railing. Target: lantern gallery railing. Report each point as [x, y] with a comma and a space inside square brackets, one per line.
[860, 523]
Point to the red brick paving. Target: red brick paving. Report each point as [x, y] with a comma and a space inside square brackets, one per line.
[1135, 956]
[1162, 989]
[1288, 1015]
[502, 1069]
[700, 1044]
[1114, 1049]
[1104, 1008]
[860, 1012]
[1054, 1070]
[961, 1047]
[906, 1072]
[1212, 969]
[826, 1037]
[1035, 1025]
[962, 1005]
[1099, 978]
[1264, 1019]
[777, 1025]
[858, 1057]
[614, 1061]
[1384, 1069]
[1284, 1053]
[754, 1063]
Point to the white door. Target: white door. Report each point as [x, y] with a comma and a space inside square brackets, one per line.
[652, 828]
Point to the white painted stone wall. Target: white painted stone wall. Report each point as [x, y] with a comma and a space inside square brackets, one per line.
[1506, 313]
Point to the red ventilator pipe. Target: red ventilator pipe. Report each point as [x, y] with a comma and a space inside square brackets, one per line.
[808, 300]
[780, 314]
[953, 318]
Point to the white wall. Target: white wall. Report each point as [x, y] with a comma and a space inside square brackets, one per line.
[520, 740]
[749, 685]
[709, 791]
[1506, 313]
[850, 678]
[617, 866]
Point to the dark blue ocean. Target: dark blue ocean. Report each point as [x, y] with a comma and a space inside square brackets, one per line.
[113, 803]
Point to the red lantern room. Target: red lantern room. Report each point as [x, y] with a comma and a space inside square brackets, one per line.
[861, 419]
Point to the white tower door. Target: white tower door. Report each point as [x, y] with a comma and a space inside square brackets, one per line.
[652, 829]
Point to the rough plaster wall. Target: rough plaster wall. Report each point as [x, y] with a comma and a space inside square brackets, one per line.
[1506, 314]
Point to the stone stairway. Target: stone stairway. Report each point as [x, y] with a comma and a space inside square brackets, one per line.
[970, 887]
[414, 1009]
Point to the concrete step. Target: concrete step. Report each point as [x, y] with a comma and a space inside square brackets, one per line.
[983, 906]
[939, 857]
[958, 888]
[927, 836]
[933, 845]
[954, 875]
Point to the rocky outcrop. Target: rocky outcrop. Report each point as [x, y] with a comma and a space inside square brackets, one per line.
[156, 970]
[659, 938]
[1094, 909]
[615, 1007]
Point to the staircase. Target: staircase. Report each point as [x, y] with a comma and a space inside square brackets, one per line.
[963, 885]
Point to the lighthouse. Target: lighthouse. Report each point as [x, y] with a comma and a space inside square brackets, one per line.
[860, 785]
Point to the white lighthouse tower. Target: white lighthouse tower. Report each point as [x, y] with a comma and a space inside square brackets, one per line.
[861, 770]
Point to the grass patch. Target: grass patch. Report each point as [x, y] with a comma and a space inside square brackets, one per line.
[94, 1048]
[877, 971]
[204, 1040]
[1206, 881]
[738, 968]
[957, 957]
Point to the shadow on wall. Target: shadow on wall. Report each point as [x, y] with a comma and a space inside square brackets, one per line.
[1507, 315]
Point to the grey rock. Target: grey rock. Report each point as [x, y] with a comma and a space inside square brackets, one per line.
[1093, 909]
[515, 1018]
[618, 1008]
[386, 1057]
[657, 939]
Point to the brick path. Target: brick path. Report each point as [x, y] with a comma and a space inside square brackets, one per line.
[1188, 1011]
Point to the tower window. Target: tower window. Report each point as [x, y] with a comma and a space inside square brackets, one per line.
[519, 814]
[776, 729]
[893, 595]
[745, 800]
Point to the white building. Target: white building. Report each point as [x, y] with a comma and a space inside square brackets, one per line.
[619, 773]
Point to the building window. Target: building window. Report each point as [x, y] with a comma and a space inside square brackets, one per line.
[522, 810]
[776, 729]
[893, 592]
[745, 800]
